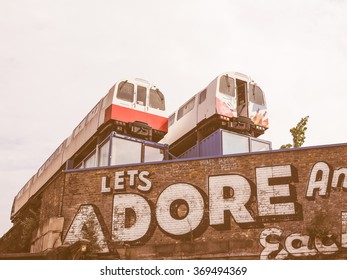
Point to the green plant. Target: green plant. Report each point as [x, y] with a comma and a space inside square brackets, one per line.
[298, 134]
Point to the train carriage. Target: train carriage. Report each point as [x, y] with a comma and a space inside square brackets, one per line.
[138, 101]
[232, 101]
[132, 107]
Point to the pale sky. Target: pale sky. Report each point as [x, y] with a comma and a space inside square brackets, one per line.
[58, 58]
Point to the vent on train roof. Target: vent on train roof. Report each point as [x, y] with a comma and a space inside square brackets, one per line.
[142, 80]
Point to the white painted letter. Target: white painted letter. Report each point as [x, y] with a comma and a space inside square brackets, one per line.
[325, 249]
[195, 209]
[145, 180]
[119, 180]
[301, 248]
[337, 174]
[271, 247]
[140, 206]
[344, 229]
[318, 182]
[267, 191]
[104, 185]
[86, 219]
[235, 204]
[132, 174]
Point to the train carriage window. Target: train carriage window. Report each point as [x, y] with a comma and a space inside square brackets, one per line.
[226, 85]
[186, 108]
[141, 95]
[171, 119]
[202, 96]
[126, 91]
[156, 99]
[256, 95]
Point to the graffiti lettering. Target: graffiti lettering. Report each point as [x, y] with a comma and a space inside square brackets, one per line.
[122, 176]
[322, 179]
[182, 209]
[295, 245]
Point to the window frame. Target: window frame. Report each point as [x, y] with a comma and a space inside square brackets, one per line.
[253, 93]
[161, 97]
[186, 108]
[202, 96]
[122, 96]
[143, 94]
[232, 85]
[171, 119]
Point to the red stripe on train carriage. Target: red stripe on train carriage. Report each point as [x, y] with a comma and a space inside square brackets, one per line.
[119, 113]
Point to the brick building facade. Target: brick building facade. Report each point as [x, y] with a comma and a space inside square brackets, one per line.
[284, 204]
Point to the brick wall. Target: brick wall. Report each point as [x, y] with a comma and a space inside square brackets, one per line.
[281, 204]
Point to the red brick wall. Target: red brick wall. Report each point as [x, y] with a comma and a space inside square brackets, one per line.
[52, 198]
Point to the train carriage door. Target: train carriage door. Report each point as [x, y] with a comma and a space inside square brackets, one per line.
[140, 101]
[242, 100]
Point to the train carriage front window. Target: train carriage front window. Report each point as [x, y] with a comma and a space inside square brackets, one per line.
[256, 95]
[141, 95]
[156, 99]
[126, 91]
[226, 85]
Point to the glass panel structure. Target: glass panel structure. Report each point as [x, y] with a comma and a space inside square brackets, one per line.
[104, 153]
[119, 149]
[233, 144]
[257, 146]
[90, 161]
[153, 154]
[125, 151]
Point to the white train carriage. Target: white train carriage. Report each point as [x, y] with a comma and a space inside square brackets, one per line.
[131, 107]
[232, 101]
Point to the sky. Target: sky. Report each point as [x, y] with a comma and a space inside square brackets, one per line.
[58, 58]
